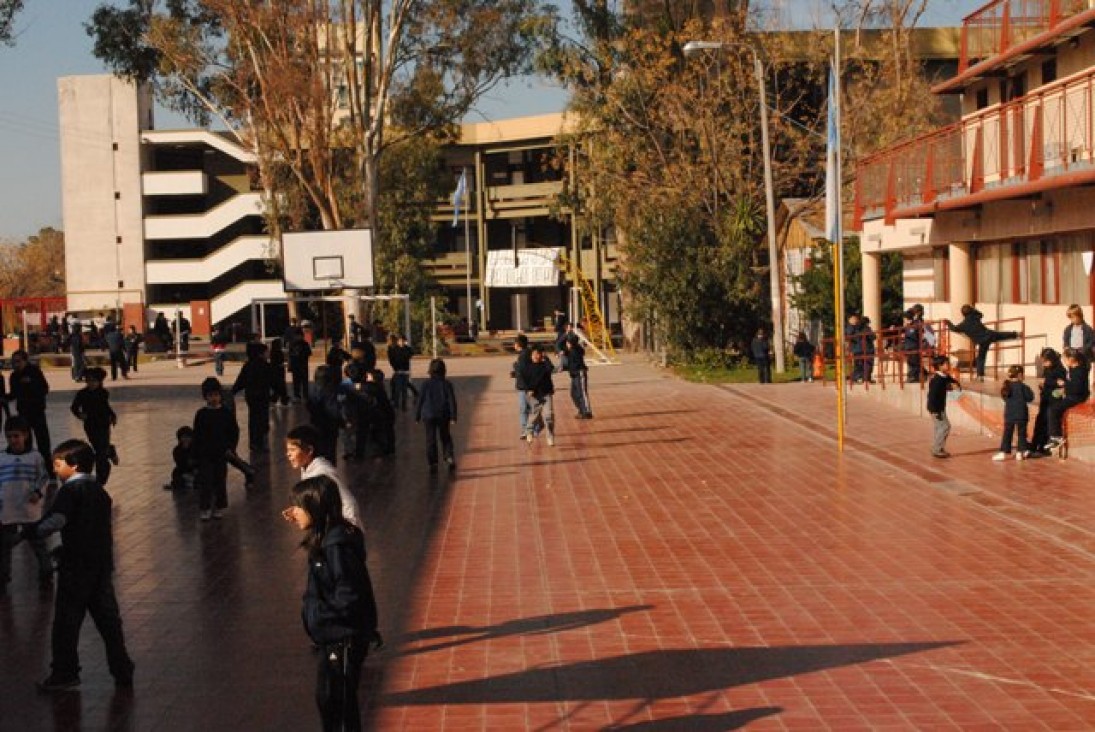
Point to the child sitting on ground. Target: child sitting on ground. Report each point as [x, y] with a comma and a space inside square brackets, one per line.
[23, 479]
[185, 471]
[1017, 396]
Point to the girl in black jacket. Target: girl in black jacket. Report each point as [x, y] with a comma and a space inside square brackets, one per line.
[1052, 372]
[437, 406]
[1073, 390]
[339, 611]
[1016, 396]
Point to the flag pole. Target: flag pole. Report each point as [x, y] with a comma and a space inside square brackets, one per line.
[834, 194]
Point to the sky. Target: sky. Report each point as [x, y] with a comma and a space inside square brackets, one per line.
[51, 43]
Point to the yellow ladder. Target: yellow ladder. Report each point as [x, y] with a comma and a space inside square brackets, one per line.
[599, 334]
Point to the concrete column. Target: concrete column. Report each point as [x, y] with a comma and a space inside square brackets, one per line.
[960, 272]
[872, 288]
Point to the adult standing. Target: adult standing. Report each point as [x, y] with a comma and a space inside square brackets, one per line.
[579, 376]
[76, 351]
[298, 352]
[761, 351]
[868, 336]
[29, 389]
[357, 333]
[804, 352]
[115, 346]
[162, 331]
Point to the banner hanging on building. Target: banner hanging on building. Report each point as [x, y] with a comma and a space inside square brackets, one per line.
[532, 268]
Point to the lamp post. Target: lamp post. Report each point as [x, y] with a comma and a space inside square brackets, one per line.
[693, 48]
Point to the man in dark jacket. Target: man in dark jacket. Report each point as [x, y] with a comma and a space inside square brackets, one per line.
[82, 513]
[981, 336]
[76, 350]
[115, 346]
[29, 389]
[579, 376]
[761, 352]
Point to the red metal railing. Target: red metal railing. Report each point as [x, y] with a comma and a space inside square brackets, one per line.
[999, 25]
[891, 361]
[1045, 133]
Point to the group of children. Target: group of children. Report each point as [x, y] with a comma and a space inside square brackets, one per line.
[1065, 384]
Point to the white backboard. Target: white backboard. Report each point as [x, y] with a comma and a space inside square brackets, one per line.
[328, 260]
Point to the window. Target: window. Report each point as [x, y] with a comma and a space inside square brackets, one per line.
[1049, 71]
[1036, 272]
[941, 274]
[982, 98]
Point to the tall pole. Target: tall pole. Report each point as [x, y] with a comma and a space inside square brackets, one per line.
[433, 323]
[774, 270]
[838, 242]
[467, 249]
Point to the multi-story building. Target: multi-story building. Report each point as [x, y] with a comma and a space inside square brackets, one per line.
[166, 219]
[997, 209]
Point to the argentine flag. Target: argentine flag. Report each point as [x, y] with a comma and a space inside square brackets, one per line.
[459, 197]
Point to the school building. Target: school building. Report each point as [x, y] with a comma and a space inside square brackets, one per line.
[159, 220]
[998, 208]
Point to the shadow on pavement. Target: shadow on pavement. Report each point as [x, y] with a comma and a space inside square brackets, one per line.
[700, 722]
[539, 625]
[653, 675]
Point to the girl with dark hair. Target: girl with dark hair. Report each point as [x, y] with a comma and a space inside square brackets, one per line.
[1016, 396]
[437, 406]
[1052, 372]
[339, 610]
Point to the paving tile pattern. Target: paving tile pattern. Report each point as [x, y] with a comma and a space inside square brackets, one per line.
[695, 557]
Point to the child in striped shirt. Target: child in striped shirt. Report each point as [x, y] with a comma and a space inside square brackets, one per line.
[23, 479]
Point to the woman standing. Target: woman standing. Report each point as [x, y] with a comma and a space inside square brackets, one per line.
[339, 611]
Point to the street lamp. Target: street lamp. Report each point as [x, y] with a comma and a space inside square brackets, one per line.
[693, 48]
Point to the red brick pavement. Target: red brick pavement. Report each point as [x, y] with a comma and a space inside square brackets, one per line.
[694, 558]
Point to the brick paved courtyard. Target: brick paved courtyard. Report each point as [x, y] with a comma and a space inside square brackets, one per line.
[694, 558]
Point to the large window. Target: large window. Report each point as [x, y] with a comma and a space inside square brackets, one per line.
[1036, 272]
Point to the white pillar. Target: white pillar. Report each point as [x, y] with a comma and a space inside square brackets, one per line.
[872, 288]
[960, 273]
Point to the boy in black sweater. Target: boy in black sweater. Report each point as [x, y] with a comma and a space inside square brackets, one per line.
[216, 433]
[82, 513]
[256, 381]
[91, 405]
[941, 382]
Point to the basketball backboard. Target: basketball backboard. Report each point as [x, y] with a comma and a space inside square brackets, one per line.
[328, 260]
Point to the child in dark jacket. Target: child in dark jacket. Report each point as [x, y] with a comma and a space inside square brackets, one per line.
[1052, 372]
[1072, 390]
[437, 406]
[536, 374]
[940, 383]
[81, 511]
[256, 381]
[981, 336]
[91, 405]
[1017, 396]
[339, 609]
[184, 474]
[216, 433]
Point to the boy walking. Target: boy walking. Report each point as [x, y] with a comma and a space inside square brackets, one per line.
[91, 405]
[579, 376]
[541, 395]
[256, 381]
[941, 382]
[82, 513]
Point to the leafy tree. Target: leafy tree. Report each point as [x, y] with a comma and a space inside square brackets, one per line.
[670, 148]
[8, 11]
[35, 267]
[815, 286]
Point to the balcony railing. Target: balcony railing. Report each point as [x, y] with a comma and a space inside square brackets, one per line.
[1034, 138]
[1001, 24]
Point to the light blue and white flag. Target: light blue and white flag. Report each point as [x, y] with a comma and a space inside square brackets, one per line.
[459, 197]
[832, 162]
